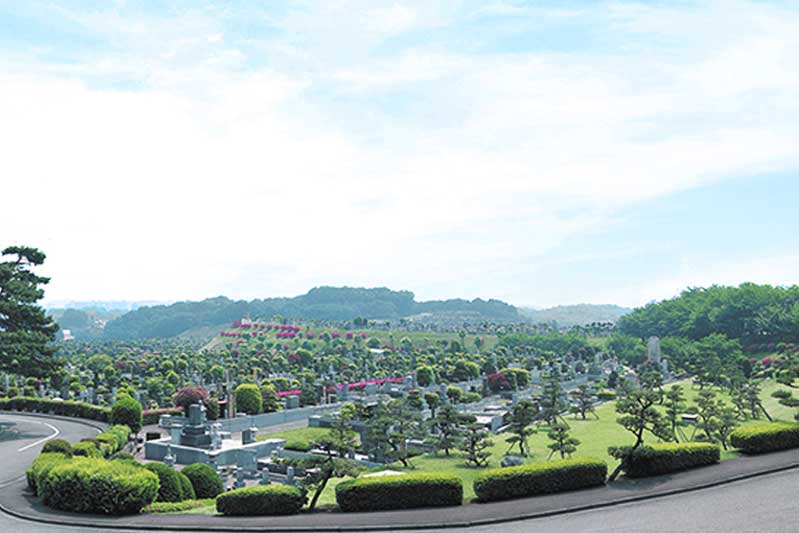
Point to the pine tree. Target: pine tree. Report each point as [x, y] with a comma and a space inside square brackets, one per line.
[563, 443]
[475, 444]
[522, 417]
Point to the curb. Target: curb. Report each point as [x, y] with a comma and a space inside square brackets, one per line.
[428, 525]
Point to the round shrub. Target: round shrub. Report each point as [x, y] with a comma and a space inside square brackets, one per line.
[766, 437]
[204, 479]
[186, 488]
[261, 500]
[87, 485]
[406, 491]
[248, 399]
[85, 449]
[169, 488]
[57, 446]
[539, 478]
[188, 396]
[127, 411]
[122, 456]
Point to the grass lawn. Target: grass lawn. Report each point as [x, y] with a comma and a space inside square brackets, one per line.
[298, 439]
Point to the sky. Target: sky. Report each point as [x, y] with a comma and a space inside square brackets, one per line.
[541, 152]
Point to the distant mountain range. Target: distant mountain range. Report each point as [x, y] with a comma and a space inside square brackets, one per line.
[575, 315]
[135, 320]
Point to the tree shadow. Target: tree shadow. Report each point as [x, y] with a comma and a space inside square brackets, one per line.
[9, 433]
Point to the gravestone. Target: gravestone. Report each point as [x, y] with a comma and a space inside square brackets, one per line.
[290, 475]
[264, 477]
[195, 432]
[653, 349]
[292, 402]
[248, 436]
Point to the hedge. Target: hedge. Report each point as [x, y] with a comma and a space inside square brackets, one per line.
[41, 467]
[186, 488]
[405, 491]
[98, 486]
[56, 407]
[113, 439]
[767, 437]
[665, 458]
[204, 479]
[177, 507]
[261, 500]
[539, 478]
[86, 449]
[150, 417]
[57, 446]
[169, 487]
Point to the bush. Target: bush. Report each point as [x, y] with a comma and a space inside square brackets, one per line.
[41, 466]
[188, 396]
[261, 500]
[204, 479]
[86, 449]
[539, 478]
[151, 416]
[57, 446]
[122, 456]
[665, 458]
[86, 485]
[767, 437]
[169, 487]
[186, 488]
[56, 407]
[248, 399]
[127, 411]
[399, 492]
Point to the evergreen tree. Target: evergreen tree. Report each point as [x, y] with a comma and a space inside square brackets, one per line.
[337, 446]
[448, 425]
[522, 416]
[675, 406]
[563, 443]
[583, 398]
[26, 332]
[475, 444]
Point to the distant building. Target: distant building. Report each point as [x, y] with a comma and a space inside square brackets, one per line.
[66, 335]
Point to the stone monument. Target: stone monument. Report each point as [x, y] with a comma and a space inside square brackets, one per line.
[195, 432]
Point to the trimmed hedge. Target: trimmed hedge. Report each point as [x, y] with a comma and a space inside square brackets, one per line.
[57, 446]
[764, 438]
[40, 467]
[540, 478]
[112, 439]
[177, 507]
[56, 407]
[98, 486]
[169, 487]
[86, 448]
[261, 500]
[669, 457]
[186, 488]
[204, 479]
[405, 491]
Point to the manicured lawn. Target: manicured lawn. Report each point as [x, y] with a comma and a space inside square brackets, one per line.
[298, 439]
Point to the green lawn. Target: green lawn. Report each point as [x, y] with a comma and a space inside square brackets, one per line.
[297, 439]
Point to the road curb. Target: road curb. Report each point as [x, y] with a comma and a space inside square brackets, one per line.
[428, 525]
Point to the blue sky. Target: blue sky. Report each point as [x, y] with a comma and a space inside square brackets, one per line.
[538, 152]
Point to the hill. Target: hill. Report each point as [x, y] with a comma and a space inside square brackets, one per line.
[575, 315]
[321, 303]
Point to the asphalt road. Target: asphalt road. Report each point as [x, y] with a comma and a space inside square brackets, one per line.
[768, 503]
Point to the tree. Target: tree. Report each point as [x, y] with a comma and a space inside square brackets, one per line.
[583, 398]
[248, 399]
[563, 443]
[449, 425]
[26, 332]
[475, 444]
[424, 375]
[552, 402]
[522, 416]
[675, 405]
[188, 396]
[638, 416]
[432, 400]
[337, 445]
[751, 394]
[269, 398]
[127, 411]
[726, 424]
[707, 412]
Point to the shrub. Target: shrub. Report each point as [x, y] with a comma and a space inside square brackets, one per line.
[86, 485]
[399, 492]
[539, 478]
[261, 500]
[665, 458]
[248, 399]
[767, 437]
[204, 479]
[188, 396]
[57, 446]
[186, 488]
[41, 466]
[85, 449]
[128, 412]
[122, 456]
[169, 487]
[151, 416]
[56, 407]
[472, 397]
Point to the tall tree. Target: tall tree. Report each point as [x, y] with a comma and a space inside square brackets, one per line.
[449, 427]
[675, 406]
[336, 446]
[26, 332]
[562, 442]
[522, 416]
[475, 444]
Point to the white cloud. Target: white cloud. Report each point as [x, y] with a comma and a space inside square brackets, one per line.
[449, 173]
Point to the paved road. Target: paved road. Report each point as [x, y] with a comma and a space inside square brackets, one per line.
[767, 503]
